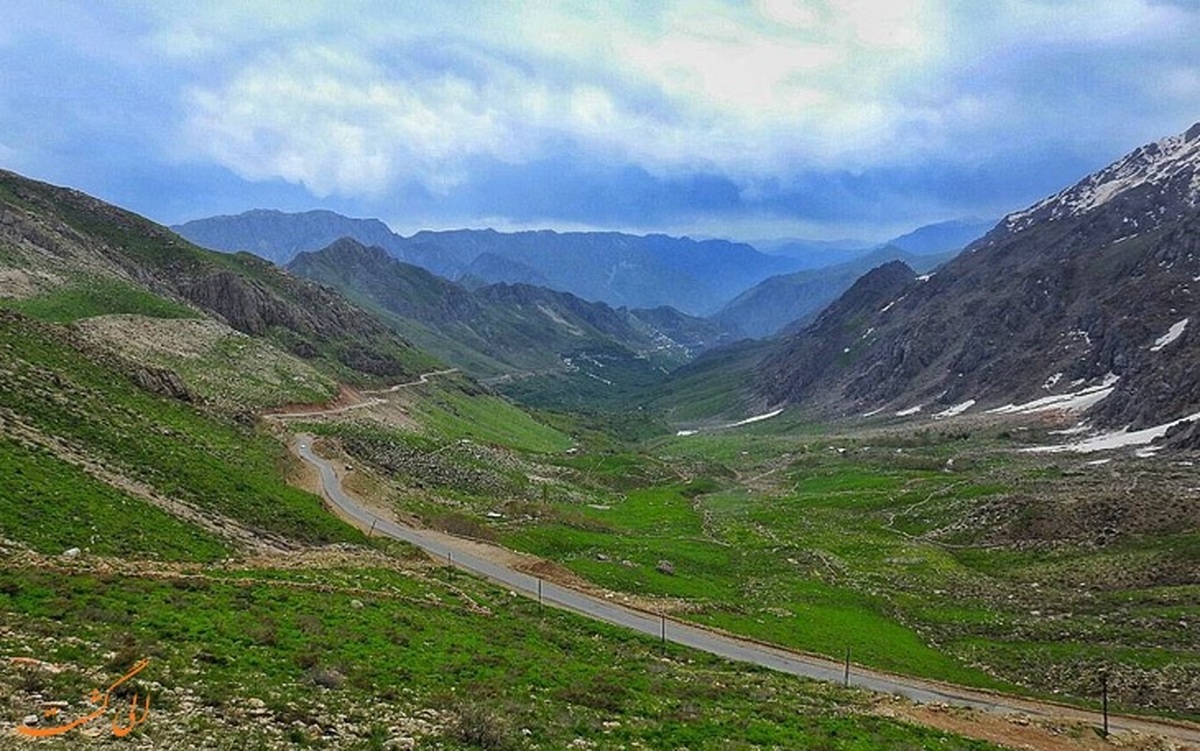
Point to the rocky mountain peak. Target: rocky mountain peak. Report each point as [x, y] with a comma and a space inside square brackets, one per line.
[1153, 183]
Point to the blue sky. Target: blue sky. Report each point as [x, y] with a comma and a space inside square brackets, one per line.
[806, 118]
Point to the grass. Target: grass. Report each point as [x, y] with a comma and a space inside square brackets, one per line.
[410, 645]
[95, 297]
[168, 445]
[820, 543]
[53, 506]
[452, 413]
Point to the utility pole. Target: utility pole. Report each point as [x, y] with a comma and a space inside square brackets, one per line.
[1104, 698]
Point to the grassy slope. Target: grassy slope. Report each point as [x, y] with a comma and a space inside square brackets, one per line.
[52, 506]
[217, 638]
[94, 297]
[134, 245]
[411, 644]
[778, 531]
[168, 445]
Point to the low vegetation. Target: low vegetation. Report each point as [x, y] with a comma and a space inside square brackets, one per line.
[941, 554]
[363, 656]
[50, 390]
[86, 298]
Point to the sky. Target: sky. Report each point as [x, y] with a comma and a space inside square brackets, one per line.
[817, 119]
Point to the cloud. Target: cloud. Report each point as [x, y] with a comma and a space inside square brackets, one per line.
[338, 123]
[696, 87]
[751, 92]
[804, 110]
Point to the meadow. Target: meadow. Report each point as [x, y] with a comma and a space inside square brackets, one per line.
[915, 551]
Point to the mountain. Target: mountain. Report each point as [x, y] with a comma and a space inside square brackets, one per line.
[277, 236]
[793, 299]
[618, 269]
[506, 331]
[696, 277]
[68, 256]
[939, 238]
[1089, 290]
[943, 237]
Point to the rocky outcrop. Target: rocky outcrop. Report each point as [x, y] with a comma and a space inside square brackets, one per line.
[163, 381]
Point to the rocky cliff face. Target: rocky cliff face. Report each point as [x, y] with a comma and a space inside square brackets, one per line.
[1092, 284]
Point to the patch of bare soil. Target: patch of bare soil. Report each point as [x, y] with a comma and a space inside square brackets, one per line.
[1019, 731]
[347, 398]
[21, 284]
[141, 336]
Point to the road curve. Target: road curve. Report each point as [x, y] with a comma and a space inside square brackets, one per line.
[372, 402]
[808, 666]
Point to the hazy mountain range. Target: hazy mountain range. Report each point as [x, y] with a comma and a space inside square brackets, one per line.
[699, 278]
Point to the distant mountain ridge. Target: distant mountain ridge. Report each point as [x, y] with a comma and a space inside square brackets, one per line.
[696, 277]
[505, 330]
[278, 236]
[1091, 287]
[792, 300]
[942, 237]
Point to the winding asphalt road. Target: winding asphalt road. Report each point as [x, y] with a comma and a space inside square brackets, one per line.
[443, 548]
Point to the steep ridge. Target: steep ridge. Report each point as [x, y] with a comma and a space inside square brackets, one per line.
[57, 241]
[1092, 285]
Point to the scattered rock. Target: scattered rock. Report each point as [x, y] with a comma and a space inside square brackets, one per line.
[71, 553]
[163, 381]
[665, 567]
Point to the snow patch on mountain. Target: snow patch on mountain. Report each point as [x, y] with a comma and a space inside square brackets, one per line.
[1159, 163]
[1076, 401]
[757, 418]
[1115, 440]
[956, 410]
[1172, 334]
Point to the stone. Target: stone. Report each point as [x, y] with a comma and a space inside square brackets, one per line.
[71, 553]
[665, 567]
